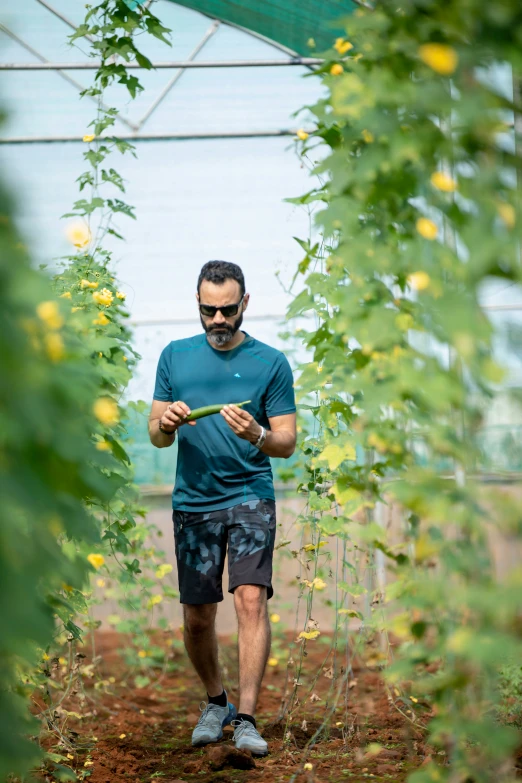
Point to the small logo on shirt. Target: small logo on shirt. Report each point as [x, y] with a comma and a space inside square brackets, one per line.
[237, 375]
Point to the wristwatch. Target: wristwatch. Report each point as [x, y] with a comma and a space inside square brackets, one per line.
[260, 441]
[165, 432]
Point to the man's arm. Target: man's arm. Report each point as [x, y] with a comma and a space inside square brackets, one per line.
[171, 414]
[280, 438]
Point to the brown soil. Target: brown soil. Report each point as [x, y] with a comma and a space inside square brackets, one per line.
[157, 722]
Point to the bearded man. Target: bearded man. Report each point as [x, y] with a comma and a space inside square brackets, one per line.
[223, 498]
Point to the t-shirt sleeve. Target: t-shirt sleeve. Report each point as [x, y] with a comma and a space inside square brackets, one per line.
[280, 396]
[163, 387]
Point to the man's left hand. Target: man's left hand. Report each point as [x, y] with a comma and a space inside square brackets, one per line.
[241, 422]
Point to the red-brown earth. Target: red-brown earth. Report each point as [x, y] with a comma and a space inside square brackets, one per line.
[141, 734]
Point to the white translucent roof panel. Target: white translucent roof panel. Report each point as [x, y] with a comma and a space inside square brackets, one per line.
[42, 103]
[195, 200]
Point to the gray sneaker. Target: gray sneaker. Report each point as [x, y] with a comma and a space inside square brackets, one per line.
[247, 737]
[209, 727]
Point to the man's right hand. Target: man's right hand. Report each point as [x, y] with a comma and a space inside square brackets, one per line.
[175, 415]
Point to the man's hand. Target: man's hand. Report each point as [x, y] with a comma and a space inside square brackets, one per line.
[241, 422]
[175, 415]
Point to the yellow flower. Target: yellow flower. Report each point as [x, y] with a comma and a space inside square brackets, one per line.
[342, 46]
[122, 736]
[308, 767]
[274, 618]
[54, 346]
[507, 214]
[367, 136]
[318, 583]
[88, 763]
[121, 295]
[163, 570]
[426, 228]
[124, 358]
[65, 295]
[62, 661]
[101, 320]
[440, 57]
[302, 135]
[89, 137]
[87, 284]
[49, 313]
[45, 657]
[309, 634]
[96, 560]
[103, 445]
[443, 181]
[311, 43]
[78, 234]
[336, 69]
[75, 309]
[142, 654]
[103, 297]
[155, 599]
[419, 280]
[100, 582]
[106, 411]
[404, 321]
[70, 756]
[273, 661]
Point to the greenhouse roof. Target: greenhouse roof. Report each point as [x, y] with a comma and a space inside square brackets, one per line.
[290, 23]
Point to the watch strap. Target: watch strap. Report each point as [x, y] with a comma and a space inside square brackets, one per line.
[165, 432]
[260, 441]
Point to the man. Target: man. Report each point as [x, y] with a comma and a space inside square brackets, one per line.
[224, 495]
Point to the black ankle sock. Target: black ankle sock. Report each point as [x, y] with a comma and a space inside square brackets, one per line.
[249, 718]
[220, 700]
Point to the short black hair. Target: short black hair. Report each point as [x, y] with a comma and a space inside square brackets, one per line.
[219, 271]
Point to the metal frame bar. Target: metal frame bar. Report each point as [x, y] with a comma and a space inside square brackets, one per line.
[188, 321]
[44, 62]
[152, 137]
[61, 16]
[93, 66]
[207, 36]
[267, 317]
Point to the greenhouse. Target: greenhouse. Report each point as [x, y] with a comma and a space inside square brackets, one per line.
[312, 208]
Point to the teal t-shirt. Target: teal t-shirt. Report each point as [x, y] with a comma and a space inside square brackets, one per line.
[216, 469]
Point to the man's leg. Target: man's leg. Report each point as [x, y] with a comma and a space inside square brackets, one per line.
[254, 643]
[199, 632]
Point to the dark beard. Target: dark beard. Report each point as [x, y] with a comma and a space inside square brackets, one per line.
[225, 334]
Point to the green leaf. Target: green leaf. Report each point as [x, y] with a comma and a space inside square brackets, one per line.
[354, 590]
[335, 454]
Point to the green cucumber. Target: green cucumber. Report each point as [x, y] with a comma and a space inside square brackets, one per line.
[208, 410]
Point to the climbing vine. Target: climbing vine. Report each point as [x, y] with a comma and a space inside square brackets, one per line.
[416, 208]
[71, 496]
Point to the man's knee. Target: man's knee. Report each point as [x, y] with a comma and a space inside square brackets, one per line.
[198, 618]
[250, 601]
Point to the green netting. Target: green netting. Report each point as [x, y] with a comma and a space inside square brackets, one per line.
[288, 22]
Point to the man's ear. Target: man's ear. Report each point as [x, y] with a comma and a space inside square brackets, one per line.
[246, 300]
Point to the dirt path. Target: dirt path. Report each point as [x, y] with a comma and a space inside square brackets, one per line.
[143, 734]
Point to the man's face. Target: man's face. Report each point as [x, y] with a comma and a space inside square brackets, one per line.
[221, 330]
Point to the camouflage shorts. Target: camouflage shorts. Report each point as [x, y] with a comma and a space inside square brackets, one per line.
[202, 538]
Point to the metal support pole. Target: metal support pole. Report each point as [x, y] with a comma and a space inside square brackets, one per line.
[177, 76]
[45, 63]
[93, 66]
[256, 134]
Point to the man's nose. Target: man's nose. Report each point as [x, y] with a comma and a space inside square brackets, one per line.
[219, 318]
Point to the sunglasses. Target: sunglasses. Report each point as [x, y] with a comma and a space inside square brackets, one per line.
[226, 310]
